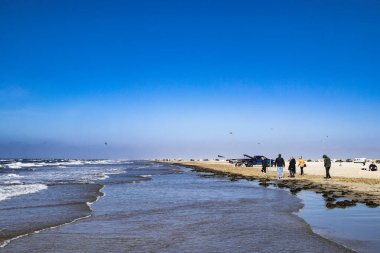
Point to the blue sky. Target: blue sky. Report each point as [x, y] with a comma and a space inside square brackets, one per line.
[173, 78]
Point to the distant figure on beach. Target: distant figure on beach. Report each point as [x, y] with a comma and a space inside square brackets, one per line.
[372, 166]
[264, 165]
[301, 164]
[327, 162]
[292, 166]
[280, 164]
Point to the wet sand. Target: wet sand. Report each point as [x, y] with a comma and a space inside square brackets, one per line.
[348, 181]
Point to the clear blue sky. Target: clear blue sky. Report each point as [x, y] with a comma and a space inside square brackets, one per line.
[174, 78]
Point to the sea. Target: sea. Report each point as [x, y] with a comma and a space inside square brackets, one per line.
[109, 206]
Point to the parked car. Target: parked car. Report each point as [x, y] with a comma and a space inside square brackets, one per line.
[348, 160]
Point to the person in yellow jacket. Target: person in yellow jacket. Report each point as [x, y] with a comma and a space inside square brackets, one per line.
[301, 164]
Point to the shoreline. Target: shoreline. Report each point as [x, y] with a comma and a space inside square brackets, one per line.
[264, 183]
[98, 193]
[352, 190]
[204, 216]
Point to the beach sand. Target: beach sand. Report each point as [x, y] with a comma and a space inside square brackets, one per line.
[348, 181]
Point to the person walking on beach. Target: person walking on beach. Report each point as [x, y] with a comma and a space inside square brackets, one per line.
[301, 164]
[264, 165]
[372, 166]
[280, 164]
[327, 162]
[292, 166]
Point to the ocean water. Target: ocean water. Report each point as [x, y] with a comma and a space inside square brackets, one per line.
[123, 206]
[39, 194]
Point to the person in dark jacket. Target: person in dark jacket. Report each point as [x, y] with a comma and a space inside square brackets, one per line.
[264, 165]
[372, 167]
[327, 162]
[280, 164]
[292, 166]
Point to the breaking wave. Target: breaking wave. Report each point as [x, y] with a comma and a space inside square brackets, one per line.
[9, 191]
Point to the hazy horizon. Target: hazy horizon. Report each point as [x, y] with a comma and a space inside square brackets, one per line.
[189, 79]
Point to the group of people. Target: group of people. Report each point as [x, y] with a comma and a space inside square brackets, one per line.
[292, 165]
[280, 165]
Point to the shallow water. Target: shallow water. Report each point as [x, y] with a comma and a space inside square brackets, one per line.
[55, 206]
[38, 194]
[356, 227]
[181, 211]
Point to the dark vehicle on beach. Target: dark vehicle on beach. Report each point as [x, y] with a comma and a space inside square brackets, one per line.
[348, 160]
[257, 160]
[251, 161]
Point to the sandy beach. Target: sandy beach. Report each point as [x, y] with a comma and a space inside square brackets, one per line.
[348, 181]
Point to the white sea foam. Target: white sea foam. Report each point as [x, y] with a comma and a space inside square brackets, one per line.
[11, 182]
[10, 191]
[10, 179]
[9, 176]
[20, 165]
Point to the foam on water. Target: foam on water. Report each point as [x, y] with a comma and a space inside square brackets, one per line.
[10, 179]
[16, 178]
[9, 176]
[8, 191]
[25, 176]
[21, 164]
